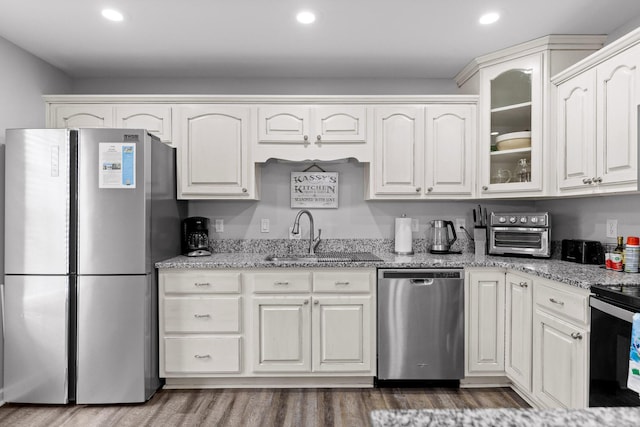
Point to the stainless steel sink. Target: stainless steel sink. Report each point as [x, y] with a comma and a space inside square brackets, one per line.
[325, 257]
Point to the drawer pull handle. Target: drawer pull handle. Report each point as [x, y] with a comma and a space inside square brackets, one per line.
[202, 316]
[202, 284]
[555, 301]
[202, 356]
[523, 284]
[281, 283]
[576, 335]
[342, 283]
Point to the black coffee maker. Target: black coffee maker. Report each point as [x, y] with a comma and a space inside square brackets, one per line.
[195, 236]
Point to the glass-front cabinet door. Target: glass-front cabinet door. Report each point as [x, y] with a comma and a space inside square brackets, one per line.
[511, 130]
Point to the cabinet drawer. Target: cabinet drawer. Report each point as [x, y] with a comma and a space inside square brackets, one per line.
[201, 282]
[342, 281]
[202, 355]
[571, 305]
[204, 314]
[280, 282]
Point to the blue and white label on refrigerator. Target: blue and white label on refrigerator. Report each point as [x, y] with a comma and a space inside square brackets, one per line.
[117, 165]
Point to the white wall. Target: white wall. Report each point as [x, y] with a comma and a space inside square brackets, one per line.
[23, 80]
[265, 86]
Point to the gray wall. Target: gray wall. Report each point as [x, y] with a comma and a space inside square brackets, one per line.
[23, 80]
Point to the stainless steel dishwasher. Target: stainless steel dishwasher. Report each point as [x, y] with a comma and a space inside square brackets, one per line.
[420, 324]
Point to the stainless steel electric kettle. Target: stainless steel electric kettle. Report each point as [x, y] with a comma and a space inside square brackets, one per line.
[440, 241]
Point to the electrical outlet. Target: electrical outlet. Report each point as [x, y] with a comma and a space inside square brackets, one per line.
[294, 236]
[612, 228]
[460, 223]
[264, 225]
[415, 225]
[219, 225]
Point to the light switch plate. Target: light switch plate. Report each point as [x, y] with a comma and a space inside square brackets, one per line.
[612, 228]
[264, 225]
[219, 224]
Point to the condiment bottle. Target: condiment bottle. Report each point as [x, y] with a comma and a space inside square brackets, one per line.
[617, 258]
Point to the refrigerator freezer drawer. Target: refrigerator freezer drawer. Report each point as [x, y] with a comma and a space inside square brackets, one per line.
[36, 339]
[114, 332]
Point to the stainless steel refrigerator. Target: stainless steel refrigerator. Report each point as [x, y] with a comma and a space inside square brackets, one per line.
[87, 213]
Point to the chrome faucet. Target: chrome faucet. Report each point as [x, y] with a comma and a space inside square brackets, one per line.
[313, 243]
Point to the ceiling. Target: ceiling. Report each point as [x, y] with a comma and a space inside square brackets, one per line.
[261, 38]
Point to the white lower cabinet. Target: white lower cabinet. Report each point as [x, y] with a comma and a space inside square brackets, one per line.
[542, 327]
[518, 321]
[484, 322]
[281, 326]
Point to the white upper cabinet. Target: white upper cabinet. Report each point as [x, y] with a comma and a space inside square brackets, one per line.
[516, 152]
[398, 166]
[213, 154]
[597, 120]
[312, 132]
[78, 116]
[450, 150]
[154, 118]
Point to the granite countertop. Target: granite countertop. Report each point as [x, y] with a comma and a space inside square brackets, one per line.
[579, 275]
[596, 417]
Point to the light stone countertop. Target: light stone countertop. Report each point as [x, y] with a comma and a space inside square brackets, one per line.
[579, 275]
[591, 417]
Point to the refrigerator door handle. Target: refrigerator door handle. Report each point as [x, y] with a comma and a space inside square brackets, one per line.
[2, 308]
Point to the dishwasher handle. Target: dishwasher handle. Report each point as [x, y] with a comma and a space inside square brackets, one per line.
[421, 282]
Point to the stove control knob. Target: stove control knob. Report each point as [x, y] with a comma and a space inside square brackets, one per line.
[534, 219]
[502, 220]
[513, 219]
[523, 220]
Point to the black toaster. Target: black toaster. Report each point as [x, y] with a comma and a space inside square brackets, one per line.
[582, 251]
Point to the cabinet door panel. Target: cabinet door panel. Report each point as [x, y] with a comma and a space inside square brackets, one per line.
[282, 331]
[339, 124]
[79, 116]
[341, 334]
[618, 117]
[154, 118]
[285, 124]
[450, 137]
[485, 322]
[213, 152]
[576, 132]
[399, 149]
[518, 323]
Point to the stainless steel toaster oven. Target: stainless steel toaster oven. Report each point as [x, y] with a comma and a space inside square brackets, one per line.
[520, 234]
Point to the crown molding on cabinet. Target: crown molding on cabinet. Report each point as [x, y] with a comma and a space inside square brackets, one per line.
[614, 48]
[260, 99]
[550, 42]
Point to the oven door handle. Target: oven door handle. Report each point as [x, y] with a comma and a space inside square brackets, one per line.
[611, 310]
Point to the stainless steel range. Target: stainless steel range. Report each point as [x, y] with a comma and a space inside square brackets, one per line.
[612, 309]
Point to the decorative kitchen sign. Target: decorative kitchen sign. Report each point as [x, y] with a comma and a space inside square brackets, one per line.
[314, 189]
[116, 165]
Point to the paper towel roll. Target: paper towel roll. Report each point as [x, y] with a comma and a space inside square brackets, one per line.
[403, 236]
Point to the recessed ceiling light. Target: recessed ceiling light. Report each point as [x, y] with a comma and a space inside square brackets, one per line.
[112, 15]
[306, 17]
[489, 18]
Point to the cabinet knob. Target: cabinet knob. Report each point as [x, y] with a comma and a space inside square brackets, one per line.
[316, 302]
[318, 137]
[485, 188]
[429, 189]
[418, 189]
[244, 190]
[306, 137]
[586, 180]
[306, 302]
[576, 335]
[597, 180]
[523, 284]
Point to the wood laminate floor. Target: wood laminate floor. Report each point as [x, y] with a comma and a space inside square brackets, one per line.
[258, 407]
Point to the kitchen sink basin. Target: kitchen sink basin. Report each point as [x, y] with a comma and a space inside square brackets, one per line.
[325, 257]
